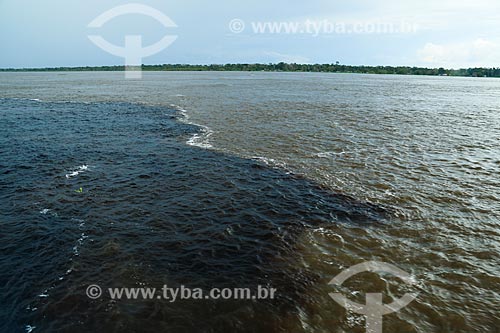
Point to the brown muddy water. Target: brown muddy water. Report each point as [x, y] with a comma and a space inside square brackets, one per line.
[235, 179]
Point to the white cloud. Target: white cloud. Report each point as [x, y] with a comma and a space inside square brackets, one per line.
[477, 53]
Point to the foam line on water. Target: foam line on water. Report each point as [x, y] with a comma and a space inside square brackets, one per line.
[201, 139]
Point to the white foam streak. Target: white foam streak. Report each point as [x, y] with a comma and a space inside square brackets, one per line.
[329, 154]
[201, 139]
[272, 163]
[79, 170]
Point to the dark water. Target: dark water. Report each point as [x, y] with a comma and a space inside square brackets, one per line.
[289, 179]
[153, 210]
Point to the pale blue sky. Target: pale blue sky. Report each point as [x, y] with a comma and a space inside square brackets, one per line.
[457, 33]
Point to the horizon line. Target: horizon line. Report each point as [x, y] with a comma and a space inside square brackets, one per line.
[249, 64]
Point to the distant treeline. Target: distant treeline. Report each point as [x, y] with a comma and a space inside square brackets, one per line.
[284, 67]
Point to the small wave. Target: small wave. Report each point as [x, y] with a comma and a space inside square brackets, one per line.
[79, 170]
[201, 139]
[35, 99]
[272, 163]
[328, 154]
[76, 252]
[31, 309]
[79, 242]
[81, 223]
[182, 112]
[46, 211]
[29, 328]
[327, 232]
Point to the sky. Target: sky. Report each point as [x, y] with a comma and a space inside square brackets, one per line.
[428, 33]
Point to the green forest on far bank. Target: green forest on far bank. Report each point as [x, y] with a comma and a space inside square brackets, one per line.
[285, 67]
